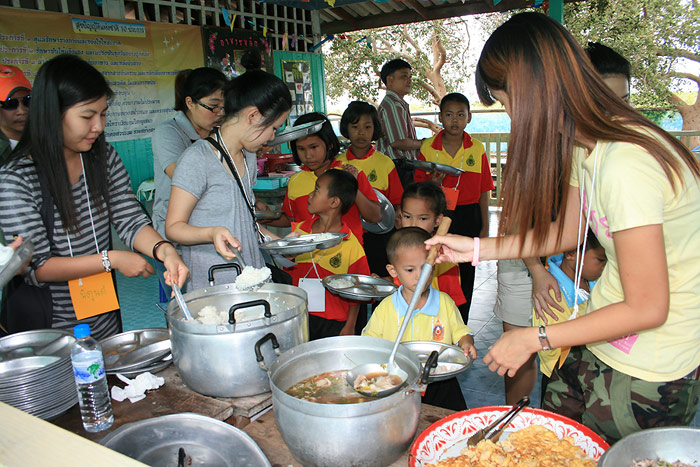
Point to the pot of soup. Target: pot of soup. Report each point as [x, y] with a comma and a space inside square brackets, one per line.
[217, 353]
[325, 422]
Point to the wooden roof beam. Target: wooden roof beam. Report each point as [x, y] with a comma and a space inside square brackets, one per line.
[418, 8]
[346, 17]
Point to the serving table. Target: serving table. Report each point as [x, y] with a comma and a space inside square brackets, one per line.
[264, 431]
[171, 398]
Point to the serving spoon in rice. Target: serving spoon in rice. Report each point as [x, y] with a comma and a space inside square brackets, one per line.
[391, 369]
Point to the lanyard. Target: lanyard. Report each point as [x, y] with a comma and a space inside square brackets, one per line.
[313, 263]
[581, 249]
[92, 222]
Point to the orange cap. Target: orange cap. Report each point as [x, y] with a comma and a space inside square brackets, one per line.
[12, 79]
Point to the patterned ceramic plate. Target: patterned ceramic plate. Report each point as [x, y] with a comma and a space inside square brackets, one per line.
[447, 437]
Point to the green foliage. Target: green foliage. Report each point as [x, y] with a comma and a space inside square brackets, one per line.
[352, 66]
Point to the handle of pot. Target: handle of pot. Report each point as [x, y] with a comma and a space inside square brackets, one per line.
[258, 353]
[430, 363]
[181, 456]
[238, 306]
[218, 267]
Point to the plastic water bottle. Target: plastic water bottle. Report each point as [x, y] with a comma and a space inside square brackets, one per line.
[91, 381]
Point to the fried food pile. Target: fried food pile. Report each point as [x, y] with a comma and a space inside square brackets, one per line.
[534, 446]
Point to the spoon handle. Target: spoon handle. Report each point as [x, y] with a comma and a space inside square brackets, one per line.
[181, 301]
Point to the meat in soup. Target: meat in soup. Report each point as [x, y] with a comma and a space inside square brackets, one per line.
[327, 388]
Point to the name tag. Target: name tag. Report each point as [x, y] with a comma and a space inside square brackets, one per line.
[316, 292]
[93, 295]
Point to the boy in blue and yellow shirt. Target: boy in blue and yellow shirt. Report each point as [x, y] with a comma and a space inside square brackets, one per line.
[329, 314]
[436, 317]
[467, 194]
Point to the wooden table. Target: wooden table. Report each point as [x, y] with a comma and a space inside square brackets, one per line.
[171, 398]
[264, 431]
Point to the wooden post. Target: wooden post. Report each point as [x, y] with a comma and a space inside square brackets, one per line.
[556, 10]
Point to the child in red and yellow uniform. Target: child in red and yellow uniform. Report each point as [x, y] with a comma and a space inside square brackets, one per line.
[468, 194]
[360, 124]
[423, 205]
[316, 154]
[329, 314]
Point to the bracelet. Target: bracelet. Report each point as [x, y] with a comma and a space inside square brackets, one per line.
[544, 340]
[475, 258]
[155, 247]
[105, 261]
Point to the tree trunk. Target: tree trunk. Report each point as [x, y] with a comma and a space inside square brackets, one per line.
[691, 121]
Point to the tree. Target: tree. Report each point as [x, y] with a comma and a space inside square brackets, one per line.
[437, 51]
[658, 37]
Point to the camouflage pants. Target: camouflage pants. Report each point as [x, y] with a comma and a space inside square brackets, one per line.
[614, 404]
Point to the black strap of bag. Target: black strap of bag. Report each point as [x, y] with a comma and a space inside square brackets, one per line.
[26, 307]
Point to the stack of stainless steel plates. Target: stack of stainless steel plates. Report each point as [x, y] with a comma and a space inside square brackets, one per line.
[36, 373]
[134, 352]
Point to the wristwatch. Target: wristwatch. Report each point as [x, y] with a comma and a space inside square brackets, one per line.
[105, 261]
[544, 341]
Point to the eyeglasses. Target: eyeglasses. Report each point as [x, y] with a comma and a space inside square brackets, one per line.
[216, 109]
[12, 104]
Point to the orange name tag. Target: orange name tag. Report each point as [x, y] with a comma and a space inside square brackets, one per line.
[93, 295]
[451, 195]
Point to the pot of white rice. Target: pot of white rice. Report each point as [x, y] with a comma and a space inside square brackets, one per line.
[221, 352]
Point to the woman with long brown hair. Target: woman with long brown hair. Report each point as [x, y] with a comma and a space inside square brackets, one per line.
[577, 155]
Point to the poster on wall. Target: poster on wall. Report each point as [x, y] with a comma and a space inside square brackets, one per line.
[139, 60]
[297, 77]
[223, 49]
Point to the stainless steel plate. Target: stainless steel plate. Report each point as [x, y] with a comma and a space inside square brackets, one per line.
[451, 358]
[296, 132]
[267, 215]
[358, 287]
[154, 367]
[670, 444]
[135, 349]
[44, 342]
[386, 223]
[435, 166]
[205, 441]
[305, 243]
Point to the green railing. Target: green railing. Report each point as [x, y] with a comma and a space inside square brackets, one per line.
[496, 148]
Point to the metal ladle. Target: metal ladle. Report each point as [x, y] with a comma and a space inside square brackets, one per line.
[181, 301]
[391, 368]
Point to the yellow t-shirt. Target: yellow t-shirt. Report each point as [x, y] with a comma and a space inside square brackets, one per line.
[446, 326]
[631, 190]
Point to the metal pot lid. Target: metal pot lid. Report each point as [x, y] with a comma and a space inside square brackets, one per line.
[451, 358]
[135, 349]
[358, 286]
[189, 438]
[386, 223]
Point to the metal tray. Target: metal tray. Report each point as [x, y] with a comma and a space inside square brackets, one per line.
[155, 367]
[435, 166]
[359, 287]
[39, 343]
[386, 223]
[135, 349]
[267, 215]
[451, 358]
[303, 244]
[205, 441]
[296, 132]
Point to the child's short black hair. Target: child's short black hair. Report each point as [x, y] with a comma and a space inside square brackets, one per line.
[393, 66]
[326, 134]
[428, 191]
[608, 62]
[457, 97]
[410, 237]
[352, 114]
[343, 185]
[592, 241]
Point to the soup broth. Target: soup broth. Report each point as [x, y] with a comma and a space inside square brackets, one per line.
[327, 388]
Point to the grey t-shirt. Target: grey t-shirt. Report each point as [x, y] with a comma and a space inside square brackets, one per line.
[220, 202]
[169, 141]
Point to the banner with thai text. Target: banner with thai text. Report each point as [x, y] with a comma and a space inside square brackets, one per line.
[140, 60]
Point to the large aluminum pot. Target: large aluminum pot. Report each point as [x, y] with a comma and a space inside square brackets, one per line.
[671, 444]
[367, 434]
[222, 361]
